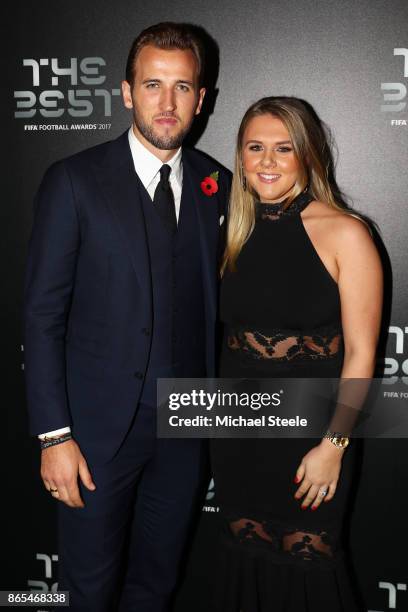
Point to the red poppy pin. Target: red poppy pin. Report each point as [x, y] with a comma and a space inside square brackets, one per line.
[210, 185]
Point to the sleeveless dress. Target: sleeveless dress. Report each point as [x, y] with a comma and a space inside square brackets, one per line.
[281, 314]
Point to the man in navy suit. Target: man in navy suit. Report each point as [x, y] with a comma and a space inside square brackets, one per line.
[121, 290]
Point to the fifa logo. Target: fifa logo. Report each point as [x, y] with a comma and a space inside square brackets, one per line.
[43, 585]
[84, 79]
[395, 93]
[397, 366]
[210, 491]
[392, 591]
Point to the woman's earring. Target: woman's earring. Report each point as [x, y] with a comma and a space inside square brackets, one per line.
[244, 181]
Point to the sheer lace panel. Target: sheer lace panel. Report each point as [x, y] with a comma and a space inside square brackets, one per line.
[300, 543]
[269, 213]
[273, 212]
[286, 346]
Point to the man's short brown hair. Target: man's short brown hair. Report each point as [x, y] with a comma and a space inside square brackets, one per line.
[167, 35]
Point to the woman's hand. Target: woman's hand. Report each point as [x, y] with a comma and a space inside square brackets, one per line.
[319, 471]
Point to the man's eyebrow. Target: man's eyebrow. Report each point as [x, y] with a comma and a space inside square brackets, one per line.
[185, 81]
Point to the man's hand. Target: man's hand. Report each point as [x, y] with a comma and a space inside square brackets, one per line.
[60, 466]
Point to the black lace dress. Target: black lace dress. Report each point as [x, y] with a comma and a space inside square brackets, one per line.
[281, 315]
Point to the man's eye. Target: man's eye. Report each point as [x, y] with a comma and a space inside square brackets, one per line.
[183, 87]
[152, 85]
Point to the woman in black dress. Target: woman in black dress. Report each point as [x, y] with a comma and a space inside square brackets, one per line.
[301, 297]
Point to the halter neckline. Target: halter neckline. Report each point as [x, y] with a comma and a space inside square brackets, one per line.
[275, 211]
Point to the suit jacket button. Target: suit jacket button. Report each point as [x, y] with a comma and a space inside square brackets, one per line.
[138, 375]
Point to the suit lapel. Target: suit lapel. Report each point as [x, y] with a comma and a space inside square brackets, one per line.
[207, 213]
[120, 187]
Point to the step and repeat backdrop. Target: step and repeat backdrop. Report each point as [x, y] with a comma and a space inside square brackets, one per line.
[349, 60]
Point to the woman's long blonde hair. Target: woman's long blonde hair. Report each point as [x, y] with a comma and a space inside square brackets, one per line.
[310, 144]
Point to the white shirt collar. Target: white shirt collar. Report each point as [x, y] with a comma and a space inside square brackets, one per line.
[148, 165]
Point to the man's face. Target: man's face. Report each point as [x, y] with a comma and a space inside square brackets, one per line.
[164, 97]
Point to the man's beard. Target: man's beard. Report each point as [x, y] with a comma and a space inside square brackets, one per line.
[160, 142]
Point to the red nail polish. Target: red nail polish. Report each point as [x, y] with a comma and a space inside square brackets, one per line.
[313, 508]
[303, 507]
[296, 479]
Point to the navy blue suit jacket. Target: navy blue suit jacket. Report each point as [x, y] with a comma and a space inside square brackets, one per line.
[88, 292]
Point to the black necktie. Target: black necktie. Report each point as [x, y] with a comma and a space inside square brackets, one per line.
[164, 200]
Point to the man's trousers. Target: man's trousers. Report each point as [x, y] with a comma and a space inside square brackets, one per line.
[122, 551]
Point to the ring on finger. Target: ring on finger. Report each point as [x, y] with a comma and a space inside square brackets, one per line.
[323, 492]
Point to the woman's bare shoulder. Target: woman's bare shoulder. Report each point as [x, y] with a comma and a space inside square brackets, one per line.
[340, 224]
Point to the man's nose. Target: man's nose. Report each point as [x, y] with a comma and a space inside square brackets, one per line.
[168, 100]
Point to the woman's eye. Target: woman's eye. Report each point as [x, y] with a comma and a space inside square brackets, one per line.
[255, 147]
[284, 149]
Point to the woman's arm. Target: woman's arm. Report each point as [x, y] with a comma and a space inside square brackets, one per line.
[361, 294]
[360, 283]
[361, 291]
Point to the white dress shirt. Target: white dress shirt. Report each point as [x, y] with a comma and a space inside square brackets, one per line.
[147, 167]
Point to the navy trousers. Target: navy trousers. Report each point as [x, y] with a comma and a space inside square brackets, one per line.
[122, 551]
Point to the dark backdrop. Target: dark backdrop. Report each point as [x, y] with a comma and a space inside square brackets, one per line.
[348, 60]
